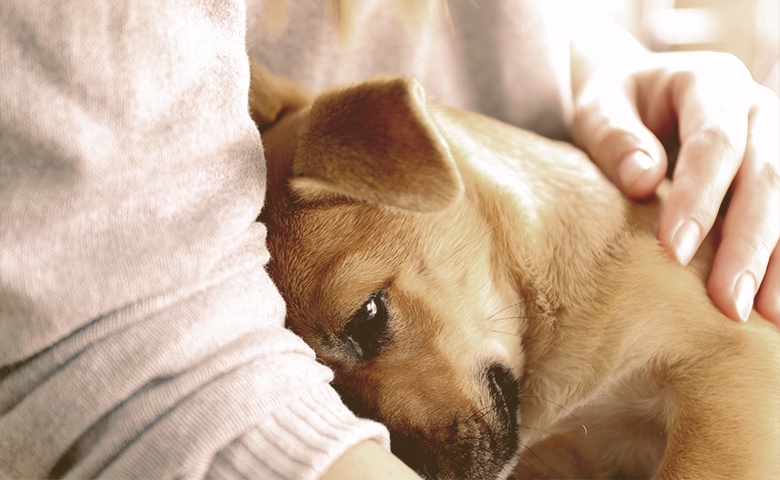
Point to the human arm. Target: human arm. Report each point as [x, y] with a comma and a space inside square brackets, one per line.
[368, 461]
[626, 98]
[139, 332]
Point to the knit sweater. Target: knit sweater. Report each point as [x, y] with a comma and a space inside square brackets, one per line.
[140, 335]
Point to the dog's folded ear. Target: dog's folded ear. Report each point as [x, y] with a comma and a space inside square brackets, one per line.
[271, 97]
[376, 142]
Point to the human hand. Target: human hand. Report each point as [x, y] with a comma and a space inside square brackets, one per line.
[368, 460]
[728, 128]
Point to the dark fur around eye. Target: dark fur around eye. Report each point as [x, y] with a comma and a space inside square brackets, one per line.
[367, 331]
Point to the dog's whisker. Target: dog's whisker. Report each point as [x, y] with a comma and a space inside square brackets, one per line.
[492, 464]
[511, 334]
[552, 402]
[470, 243]
[527, 462]
[481, 413]
[558, 458]
[556, 453]
[536, 455]
[513, 317]
[569, 412]
[526, 427]
[503, 310]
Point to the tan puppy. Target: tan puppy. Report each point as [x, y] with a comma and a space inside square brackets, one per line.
[492, 298]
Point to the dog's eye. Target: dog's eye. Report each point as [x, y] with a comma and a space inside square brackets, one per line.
[367, 330]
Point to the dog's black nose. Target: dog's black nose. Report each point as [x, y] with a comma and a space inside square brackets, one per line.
[505, 392]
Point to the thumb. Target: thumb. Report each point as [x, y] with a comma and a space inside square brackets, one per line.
[608, 127]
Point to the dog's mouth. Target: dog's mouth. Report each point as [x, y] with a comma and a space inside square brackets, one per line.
[483, 444]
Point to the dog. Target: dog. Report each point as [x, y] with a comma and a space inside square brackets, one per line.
[495, 301]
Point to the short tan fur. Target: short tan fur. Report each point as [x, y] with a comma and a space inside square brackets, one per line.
[496, 263]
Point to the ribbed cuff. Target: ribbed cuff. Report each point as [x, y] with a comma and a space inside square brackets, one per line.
[299, 442]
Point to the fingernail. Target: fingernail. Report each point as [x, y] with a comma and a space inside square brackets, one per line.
[686, 241]
[744, 291]
[633, 166]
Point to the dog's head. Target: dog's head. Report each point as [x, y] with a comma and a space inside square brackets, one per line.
[382, 253]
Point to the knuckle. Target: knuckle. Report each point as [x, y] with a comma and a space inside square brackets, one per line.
[755, 247]
[715, 71]
[769, 174]
[715, 134]
[761, 247]
[764, 116]
[684, 81]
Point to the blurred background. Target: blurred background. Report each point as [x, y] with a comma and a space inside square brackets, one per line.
[749, 29]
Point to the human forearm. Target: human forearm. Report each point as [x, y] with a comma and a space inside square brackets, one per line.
[139, 331]
[368, 461]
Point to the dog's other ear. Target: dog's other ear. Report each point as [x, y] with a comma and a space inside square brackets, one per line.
[271, 97]
[375, 142]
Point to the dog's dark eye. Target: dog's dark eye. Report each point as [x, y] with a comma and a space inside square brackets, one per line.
[367, 330]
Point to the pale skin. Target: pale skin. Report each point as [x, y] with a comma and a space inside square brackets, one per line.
[727, 125]
[625, 98]
[368, 461]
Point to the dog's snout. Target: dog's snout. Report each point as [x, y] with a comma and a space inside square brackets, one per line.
[505, 394]
[479, 442]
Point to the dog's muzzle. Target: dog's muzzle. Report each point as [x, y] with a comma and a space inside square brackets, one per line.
[483, 443]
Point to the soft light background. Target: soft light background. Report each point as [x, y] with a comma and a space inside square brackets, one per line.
[749, 29]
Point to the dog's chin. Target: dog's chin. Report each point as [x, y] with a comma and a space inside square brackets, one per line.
[461, 454]
[484, 443]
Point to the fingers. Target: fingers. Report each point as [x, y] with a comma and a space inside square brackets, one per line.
[727, 127]
[728, 131]
[768, 300]
[607, 125]
[749, 256]
[713, 137]
[750, 233]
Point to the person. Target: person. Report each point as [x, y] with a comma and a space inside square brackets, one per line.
[139, 333]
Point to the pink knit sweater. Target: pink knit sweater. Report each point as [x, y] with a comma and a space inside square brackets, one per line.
[139, 333]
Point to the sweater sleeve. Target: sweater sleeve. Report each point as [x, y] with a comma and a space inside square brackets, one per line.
[139, 333]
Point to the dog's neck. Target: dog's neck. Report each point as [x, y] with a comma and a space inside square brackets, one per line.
[536, 202]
